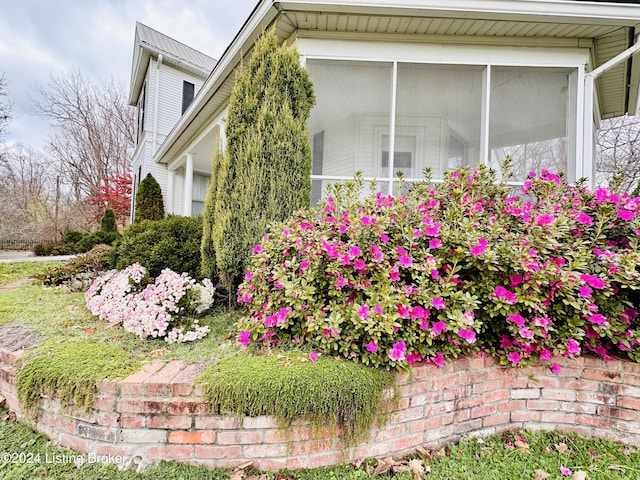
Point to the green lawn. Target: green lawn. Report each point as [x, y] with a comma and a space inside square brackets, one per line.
[10, 272]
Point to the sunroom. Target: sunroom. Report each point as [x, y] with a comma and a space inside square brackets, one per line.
[438, 84]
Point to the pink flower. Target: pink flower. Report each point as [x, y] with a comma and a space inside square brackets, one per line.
[584, 219]
[377, 253]
[378, 309]
[394, 275]
[503, 293]
[359, 265]
[413, 357]
[405, 261]
[313, 356]
[542, 322]
[593, 281]
[524, 332]
[340, 282]
[625, 214]
[601, 194]
[397, 353]
[514, 357]
[435, 274]
[439, 360]
[598, 319]
[419, 312]
[573, 348]
[244, 338]
[467, 334]
[354, 252]
[372, 346]
[435, 243]
[247, 275]
[585, 292]
[257, 249]
[545, 219]
[304, 265]
[545, 354]
[555, 369]
[403, 311]
[565, 471]
[363, 312]
[365, 220]
[517, 319]
[479, 249]
[438, 303]
[438, 328]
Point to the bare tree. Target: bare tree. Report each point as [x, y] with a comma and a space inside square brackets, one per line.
[618, 153]
[5, 106]
[92, 135]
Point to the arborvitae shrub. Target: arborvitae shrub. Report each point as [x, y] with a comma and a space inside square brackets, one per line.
[263, 175]
[173, 242]
[97, 238]
[149, 203]
[72, 236]
[108, 221]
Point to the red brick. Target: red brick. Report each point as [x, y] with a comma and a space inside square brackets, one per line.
[546, 405]
[461, 415]
[545, 382]
[601, 375]
[497, 396]
[102, 449]
[82, 445]
[407, 415]
[631, 379]
[217, 451]
[239, 437]
[591, 421]
[310, 447]
[392, 431]
[217, 423]
[575, 407]
[169, 452]
[325, 460]
[184, 407]
[579, 384]
[132, 421]
[498, 419]
[408, 442]
[425, 399]
[483, 411]
[143, 374]
[457, 392]
[108, 386]
[446, 382]
[632, 403]
[438, 408]
[618, 413]
[372, 450]
[105, 403]
[525, 393]
[265, 451]
[291, 434]
[65, 424]
[525, 416]
[259, 422]
[289, 463]
[558, 394]
[468, 426]
[559, 417]
[170, 422]
[501, 373]
[140, 406]
[587, 397]
[192, 437]
[425, 424]
[109, 419]
[468, 402]
[487, 386]
[160, 382]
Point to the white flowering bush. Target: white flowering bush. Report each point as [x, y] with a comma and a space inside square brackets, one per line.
[167, 307]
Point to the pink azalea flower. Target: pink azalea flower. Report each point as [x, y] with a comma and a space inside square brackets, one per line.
[247, 275]
[403, 311]
[313, 356]
[524, 332]
[584, 219]
[365, 221]
[435, 243]
[514, 357]
[244, 338]
[585, 292]
[439, 360]
[354, 252]
[378, 309]
[438, 328]
[363, 312]
[545, 219]
[372, 346]
[359, 265]
[340, 282]
[257, 249]
[565, 471]
[413, 357]
[593, 281]
[479, 249]
[438, 303]
[555, 369]
[542, 322]
[384, 238]
[517, 319]
[397, 353]
[405, 261]
[545, 354]
[377, 253]
[598, 319]
[419, 312]
[601, 194]
[467, 334]
[304, 265]
[625, 214]
[573, 348]
[435, 274]
[394, 275]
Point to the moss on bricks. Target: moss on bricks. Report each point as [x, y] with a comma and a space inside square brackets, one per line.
[70, 371]
[328, 392]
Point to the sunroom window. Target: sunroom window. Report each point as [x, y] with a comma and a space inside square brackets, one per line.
[437, 116]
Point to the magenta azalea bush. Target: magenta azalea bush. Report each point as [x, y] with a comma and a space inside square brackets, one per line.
[167, 308]
[449, 269]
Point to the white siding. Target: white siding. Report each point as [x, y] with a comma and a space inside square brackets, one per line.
[170, 100]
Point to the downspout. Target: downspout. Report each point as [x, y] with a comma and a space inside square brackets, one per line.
[156, 101]
[588, 166]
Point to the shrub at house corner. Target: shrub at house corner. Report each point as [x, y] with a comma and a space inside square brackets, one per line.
[263, 175]
[451, 269]
[149, 204]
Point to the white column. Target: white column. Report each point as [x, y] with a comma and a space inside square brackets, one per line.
[188, 185]
[171, 179]
[586, 168]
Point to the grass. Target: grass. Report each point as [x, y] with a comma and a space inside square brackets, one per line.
[329, 392]
[10, 272]
[522, 456]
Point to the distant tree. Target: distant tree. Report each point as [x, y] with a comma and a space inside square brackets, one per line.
[92, 134]
[618, 155]
[116, 194]
[263, 175]
[149, 204]
[108, 221]
[5, 106]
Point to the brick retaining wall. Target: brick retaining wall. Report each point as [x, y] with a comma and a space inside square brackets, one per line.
[157, 414]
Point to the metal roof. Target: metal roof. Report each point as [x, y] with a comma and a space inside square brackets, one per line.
[150, 42]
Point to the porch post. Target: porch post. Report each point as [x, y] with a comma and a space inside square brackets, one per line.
[171, 178]
[188, 185]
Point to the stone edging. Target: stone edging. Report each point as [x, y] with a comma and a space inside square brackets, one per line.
[158, 414]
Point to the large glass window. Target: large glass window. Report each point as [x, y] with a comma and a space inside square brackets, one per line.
[530, 118]
[200, 187]
[352, 113]
[445, 117]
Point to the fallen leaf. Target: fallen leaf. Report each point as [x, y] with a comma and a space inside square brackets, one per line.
[357, 463]
[487, 450]
[417, 468]
[236, 475]
[72, 307]
[541, 475]
[522, 446]
[424, 452]
[579, 475]
[159, 352]
[562, 448]
[615, 468]
[90, 330]
[480, 441]
[384, 465]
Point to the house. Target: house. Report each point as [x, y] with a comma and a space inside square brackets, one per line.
[440, 83]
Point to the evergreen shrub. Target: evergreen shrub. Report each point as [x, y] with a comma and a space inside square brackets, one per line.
[149, 204]
[173, 243]
[449, 269]
[108, 221]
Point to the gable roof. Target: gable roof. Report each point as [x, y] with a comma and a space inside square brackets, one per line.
[149, 42]
[609, 28]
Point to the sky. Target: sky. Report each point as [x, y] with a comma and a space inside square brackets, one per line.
[41, 38]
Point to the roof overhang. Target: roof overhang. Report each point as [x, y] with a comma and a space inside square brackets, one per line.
[608, 26]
